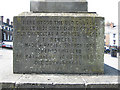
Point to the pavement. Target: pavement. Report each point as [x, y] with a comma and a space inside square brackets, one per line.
[112, 61]
[110, 79]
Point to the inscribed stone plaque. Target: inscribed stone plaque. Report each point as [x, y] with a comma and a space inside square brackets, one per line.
[58, 43]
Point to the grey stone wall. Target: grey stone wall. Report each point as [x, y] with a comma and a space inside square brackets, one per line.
[58, 43]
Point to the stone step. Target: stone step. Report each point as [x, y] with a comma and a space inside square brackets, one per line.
[60, 81]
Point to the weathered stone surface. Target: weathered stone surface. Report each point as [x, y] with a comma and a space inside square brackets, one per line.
[0, 35]
[101, 81]
[58, 5]
[62, 81]
[40, 81]
[50, 81]
[6, 86]
[58, 43]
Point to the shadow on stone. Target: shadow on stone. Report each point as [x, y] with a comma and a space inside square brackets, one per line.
[108, 70]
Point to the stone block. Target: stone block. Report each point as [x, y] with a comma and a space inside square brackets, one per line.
[5, 86]
[58, 43]
[50, 81]
[58, 6]
[102, 81]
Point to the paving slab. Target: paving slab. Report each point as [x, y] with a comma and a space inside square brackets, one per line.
[101, 81]
[50, 81]
[10, 78]
[67, 81]
[112, 61]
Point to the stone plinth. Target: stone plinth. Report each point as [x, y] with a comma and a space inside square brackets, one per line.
[60, 43]
[58, 6]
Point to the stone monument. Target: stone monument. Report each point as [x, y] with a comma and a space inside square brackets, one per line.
[58, 37]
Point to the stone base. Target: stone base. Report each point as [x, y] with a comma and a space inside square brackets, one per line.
[110, 79]
[61, 81]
